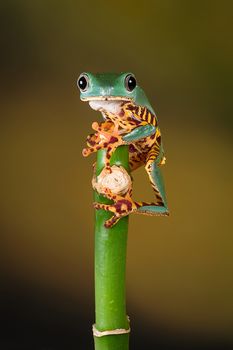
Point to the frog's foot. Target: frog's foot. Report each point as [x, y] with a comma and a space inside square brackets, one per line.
[93, 139]
[123, 205]
[147, 208]
[87, 151]
[152, 209]
[114, 219]
[120, 208]
[96, 139]
[108, 168]
[106, 125]
[107, 130]
[94, 143]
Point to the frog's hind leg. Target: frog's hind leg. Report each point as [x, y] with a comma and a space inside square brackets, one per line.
[156, 180]
[123, 205]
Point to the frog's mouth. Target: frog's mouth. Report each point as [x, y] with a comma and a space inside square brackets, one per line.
[111, 104]
[106, 98]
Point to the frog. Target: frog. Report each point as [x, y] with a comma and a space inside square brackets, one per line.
[128, 119]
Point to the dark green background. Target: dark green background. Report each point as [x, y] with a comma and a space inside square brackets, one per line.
[179, 269]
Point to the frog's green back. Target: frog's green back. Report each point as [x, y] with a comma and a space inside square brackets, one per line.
[142, 100]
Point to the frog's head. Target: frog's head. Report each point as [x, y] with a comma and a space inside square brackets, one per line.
[107, 91]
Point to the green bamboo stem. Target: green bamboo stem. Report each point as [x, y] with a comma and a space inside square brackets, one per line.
[110, 265]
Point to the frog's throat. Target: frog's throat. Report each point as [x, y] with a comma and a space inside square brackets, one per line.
[106, 98]
[107, 106]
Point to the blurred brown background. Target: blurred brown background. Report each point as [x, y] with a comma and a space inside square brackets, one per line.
[179, 269]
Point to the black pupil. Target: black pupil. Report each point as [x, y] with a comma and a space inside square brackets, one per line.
[82, 83]
[131, 83]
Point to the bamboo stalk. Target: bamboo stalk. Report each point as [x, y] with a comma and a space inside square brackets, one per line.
[110, 265]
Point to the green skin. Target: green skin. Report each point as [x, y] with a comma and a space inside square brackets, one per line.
[111, 87]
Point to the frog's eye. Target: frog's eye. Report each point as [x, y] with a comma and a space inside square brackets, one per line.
[130, 82]
[83, 82]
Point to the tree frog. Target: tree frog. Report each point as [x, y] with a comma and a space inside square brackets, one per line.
[128, 119]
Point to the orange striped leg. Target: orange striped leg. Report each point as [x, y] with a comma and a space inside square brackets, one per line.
[123, 206]
[94, 147]
[113, 143]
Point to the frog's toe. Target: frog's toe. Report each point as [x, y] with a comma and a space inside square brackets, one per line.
[112, 221]
[95, 126]
[108, 169]
[92, 140]
[98, 206]
[86, 152]
[107, 207]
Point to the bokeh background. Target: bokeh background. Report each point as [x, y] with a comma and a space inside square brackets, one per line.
[179, 269]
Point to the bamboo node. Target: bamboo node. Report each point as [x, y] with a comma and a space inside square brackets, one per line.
[118, 181]
[117, 331]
